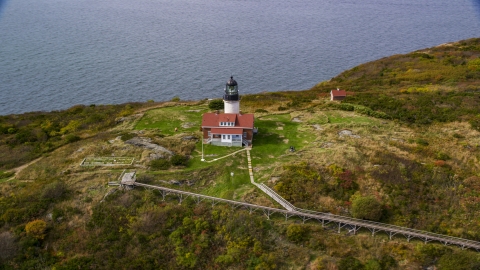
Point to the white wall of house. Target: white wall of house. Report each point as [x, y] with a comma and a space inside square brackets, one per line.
[226, 138]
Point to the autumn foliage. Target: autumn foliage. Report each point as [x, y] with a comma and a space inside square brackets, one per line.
[36, 228]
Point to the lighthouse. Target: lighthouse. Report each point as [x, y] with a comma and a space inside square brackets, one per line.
[231, 99]
[230, 128]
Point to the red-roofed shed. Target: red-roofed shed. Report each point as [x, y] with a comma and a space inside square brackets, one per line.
[338, 94]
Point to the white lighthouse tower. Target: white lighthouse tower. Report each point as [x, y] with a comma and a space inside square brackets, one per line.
[231, 99]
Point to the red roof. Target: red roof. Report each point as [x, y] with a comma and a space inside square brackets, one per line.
[227, 131]
[227, 117]
[241, 120]
[339, 93]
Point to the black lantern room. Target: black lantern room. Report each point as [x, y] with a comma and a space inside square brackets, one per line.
[231, 90]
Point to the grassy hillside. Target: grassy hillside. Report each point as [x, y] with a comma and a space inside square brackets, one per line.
[440, 84]
[407, 141]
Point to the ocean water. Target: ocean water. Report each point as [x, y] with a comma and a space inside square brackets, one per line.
[58, 53]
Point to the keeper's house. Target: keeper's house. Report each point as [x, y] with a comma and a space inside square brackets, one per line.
[230, 128]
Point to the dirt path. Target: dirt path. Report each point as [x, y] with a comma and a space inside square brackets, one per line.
[226, 155]
[20, 168]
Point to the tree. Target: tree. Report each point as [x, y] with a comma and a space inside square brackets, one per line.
[366, 208]
[216, 104]
[36, 228]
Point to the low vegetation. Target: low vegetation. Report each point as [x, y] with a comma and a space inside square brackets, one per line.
[27, 136]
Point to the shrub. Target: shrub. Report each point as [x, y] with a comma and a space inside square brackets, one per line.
[346, 107]
[159, 164]
[297, 233]
[24, 136]
[36, 229]
[387, 262]
[475, 122]
[349, 263]
[76, 263]
[127, 136]
[442, 156]
[14, 215]
[429, 254]
[145, 178]
[70, 138]
[57, 213]
[460, 260]
[216, 104]
[175, 99]
[373, 265]
[261, 111]
[366, 208]
[458, 136]
[294, 103]
[281, 108]
[54, 191]
[179, 160]
[422, 142]
[6, 174]
[128, 110]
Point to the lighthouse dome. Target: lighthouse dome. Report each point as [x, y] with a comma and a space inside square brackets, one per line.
[231, 82]
[231, 90]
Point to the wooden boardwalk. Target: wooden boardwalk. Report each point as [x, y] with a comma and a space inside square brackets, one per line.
[351, 224]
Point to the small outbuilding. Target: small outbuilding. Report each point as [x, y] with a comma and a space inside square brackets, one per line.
[338, 94]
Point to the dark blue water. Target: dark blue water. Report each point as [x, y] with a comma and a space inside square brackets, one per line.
[58, 53]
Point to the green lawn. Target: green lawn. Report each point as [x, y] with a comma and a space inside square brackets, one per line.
[276, 133]
[228, 186]
[184, 118]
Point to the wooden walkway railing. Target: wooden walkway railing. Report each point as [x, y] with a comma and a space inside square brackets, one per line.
[352, 224]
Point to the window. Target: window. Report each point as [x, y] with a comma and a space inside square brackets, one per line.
[223, 137]
[228, 137]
